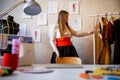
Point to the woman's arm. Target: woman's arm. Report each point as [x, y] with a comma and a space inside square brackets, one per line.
[52, 41]
[80, 34]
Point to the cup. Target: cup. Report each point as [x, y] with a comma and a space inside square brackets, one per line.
[10, 60]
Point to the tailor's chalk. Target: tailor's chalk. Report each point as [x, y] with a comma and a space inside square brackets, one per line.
[112, 78]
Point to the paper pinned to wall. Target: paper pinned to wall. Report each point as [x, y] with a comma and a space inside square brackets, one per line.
[50, 27]
[52, 7]
[42, 19]
[23, 30]
[76, 24]
[73, 8]
[36, 35]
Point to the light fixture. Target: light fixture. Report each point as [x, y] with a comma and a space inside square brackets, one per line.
[31, 8]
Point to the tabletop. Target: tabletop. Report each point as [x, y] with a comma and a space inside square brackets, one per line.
[54, 72]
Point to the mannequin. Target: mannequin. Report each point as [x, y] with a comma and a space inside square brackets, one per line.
[8, 26]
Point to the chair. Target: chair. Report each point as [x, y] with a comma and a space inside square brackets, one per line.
[69, 60]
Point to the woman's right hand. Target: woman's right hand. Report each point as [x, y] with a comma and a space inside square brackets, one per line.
[57, 55]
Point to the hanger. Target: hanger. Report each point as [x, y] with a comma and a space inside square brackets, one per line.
[97, 18]
[112, 18]
[106, 16]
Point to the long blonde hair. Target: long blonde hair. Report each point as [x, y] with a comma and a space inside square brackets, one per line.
[62, 24]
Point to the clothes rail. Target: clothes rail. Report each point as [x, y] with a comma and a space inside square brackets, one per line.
[112, 13]
[104, 14]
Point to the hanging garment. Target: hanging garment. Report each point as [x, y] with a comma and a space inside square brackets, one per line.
[109, 33]
[116, 35]
[98, 42]
[105, 54]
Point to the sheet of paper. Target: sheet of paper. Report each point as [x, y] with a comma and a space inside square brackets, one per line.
[36, 35]
[42, 19]
[50, 26]
[76, 24]
[23, 31]
[52, 7]
[73, 8]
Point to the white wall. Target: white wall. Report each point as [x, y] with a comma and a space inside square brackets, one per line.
[84, 45]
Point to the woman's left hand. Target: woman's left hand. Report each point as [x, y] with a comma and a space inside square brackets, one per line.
[92, 32]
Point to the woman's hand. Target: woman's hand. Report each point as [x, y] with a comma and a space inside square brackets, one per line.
[57, 55]
[91, 32]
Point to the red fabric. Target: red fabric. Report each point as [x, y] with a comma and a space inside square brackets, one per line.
[109, 32]
[63, 41]
[10, 60]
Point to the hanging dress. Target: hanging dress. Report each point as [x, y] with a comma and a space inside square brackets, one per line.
[105, 54]
[98, 42]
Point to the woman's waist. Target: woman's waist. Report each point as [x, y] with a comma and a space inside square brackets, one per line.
[63, 41]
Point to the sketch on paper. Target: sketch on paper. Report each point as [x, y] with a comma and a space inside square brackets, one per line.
[36, 35]
[73, 8]
[76, 24]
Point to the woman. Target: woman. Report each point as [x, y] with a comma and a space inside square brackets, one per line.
[60, 38]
